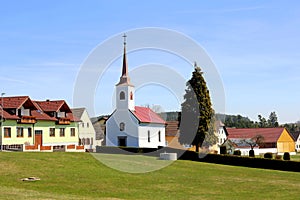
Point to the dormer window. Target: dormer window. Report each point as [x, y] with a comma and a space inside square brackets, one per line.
[61, 114]
[122, 95]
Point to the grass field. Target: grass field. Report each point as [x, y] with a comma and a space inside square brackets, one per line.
[81, 176]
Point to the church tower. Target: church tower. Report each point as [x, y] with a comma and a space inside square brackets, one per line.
[124, 89]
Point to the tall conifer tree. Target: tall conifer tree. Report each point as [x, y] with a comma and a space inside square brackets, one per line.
[196, 111]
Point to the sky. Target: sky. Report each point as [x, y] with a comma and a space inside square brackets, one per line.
[254, 45]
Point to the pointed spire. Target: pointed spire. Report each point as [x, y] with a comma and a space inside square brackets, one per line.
[124, 79]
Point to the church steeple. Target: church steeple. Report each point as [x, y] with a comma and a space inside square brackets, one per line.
[124, 89]
[124, 79]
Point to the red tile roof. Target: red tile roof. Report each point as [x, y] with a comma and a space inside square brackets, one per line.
[146, 115]
[6, 115]
[55, 106]
[270, 135]
[15, 102]
[40, 115]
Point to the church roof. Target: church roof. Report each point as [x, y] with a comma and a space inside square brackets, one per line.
[146, 115]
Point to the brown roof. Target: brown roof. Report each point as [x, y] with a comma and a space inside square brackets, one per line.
[16, 102]
[270, 135]
[55, 106]
[6, 115]
[172, 128]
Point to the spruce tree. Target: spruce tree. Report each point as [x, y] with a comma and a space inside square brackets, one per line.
[196, 111]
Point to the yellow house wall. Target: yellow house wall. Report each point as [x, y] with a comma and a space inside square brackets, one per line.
[14, 139]
[285, 143]
[57, 139]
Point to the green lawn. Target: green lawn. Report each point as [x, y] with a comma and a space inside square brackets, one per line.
[81, 176]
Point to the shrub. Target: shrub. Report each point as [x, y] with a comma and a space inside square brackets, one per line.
[278, 157]
[251, 153]
[237, 153]
[222, 150]
[286, 156]
[268, 155]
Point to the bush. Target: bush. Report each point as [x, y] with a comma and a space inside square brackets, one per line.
[251, 153]
[286, 156]
[278, 157]
[237, 153]
[268, 155]
[222, 150]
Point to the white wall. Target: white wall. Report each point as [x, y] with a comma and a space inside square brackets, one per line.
[86, 130]
[113, 128]
[154, 139]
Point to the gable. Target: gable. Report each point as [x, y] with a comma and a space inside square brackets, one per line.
[285, 137]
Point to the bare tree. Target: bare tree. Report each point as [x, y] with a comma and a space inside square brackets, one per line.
[256, 140]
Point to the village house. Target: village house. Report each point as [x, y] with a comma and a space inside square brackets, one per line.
[28, 125]
[273, 140]
[296, 136]
[86, 131]
[131, 125]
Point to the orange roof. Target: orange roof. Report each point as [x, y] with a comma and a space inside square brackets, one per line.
[55, 106]
[146, 115]
[270, 135]
[16, 102]
[6, 115]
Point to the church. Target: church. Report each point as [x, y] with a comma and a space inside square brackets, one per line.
[130, 125]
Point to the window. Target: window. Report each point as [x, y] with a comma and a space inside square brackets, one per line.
[122, 95]
[92, 141]
[122, 126]
[29, 132]
[131, 96]
[148, 136]
[20, 132]
[87, 125]
[87, 141]
[72, 132]
[82, 141]
[62, 132]
[52, 132]
[159, 136]
[82, 124]
[7, 132]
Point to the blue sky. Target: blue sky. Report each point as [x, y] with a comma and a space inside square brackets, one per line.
[254, 45]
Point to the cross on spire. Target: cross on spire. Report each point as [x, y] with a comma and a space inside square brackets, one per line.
[124, 79]
[124, 36]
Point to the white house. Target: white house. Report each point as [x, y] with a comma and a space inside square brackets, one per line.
[222, 133]
[296, 137]
[131, 125]
[86, 129]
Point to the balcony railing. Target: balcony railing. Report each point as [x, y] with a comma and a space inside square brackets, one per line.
[27, 120]
[64, 121]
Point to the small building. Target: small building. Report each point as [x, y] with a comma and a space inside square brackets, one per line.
[131, 125]
[86, 131]
[99, 124]
[28, 125]
[296, 136]
[274, 140]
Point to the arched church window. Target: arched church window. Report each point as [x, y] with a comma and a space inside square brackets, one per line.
[122, 126]
[131, 96]
[122, 95]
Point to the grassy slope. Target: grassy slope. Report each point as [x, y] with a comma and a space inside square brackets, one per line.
[81, 176]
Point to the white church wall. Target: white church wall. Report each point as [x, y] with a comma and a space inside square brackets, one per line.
[153, 130]
[130, 129]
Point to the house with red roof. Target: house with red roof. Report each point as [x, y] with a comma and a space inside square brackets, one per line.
[131, 125]
[274, 140]
[28, 125]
